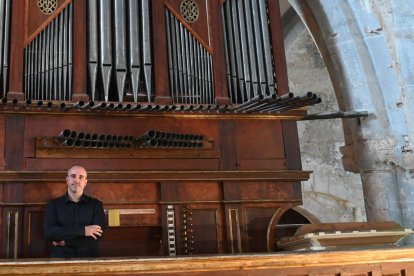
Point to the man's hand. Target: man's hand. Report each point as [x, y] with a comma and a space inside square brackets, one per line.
[93, 231]
[58, 243]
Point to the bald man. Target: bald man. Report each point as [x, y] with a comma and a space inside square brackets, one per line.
[74, 222]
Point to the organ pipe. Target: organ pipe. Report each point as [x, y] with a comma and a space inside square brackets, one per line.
[48, 60]
[5, 11]
[250, 70]
[190, 65]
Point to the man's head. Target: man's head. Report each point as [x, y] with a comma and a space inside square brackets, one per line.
[76, 180]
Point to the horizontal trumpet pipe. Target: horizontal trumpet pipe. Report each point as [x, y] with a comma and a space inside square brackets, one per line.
[259, 104]
[79, 104]
[67, 133]
[249, 103]
[99, 106]
[289, 104]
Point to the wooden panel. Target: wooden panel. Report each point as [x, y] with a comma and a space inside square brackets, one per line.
[182, 192]
[123, 164]
[258, 220]
[36, 21]
[259, 139]
[131, 241]
[204, 231]
[2, 137]
[34, 242]
[12, 228]
[228, 147]
[37, 192]
[264, 190]
[267, 164]
[13, 142]
[276, 191]
[141, 239]
[126, 192]
[291, 142]
[234, 228]
[2, 228]
[199, 28]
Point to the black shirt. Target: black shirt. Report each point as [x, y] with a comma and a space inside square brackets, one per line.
[66, 220]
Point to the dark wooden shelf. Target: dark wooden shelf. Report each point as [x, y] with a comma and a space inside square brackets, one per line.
[164, 176]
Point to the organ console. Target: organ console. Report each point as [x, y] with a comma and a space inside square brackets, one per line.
[199, 85]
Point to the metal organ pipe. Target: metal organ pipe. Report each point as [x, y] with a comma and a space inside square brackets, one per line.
[147, 47]
[120, 47]
[105, 47]
[4, 43]
[65, 55]
[2, 25]
[48, 59]
[125, 52]
[250, 70]
[93, 46]
[59, 70]
[243, 45]
[251, 54]
[190, 65]
[172, 52]
[134, 46]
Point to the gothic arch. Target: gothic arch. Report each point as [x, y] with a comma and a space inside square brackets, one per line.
[363, 48]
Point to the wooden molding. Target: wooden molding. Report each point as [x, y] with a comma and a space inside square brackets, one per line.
[159, 176]
[33, 110]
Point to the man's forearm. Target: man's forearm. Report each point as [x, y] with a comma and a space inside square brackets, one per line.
[57, 233]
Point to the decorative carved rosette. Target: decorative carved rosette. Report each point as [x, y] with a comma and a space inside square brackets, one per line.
[47, 6]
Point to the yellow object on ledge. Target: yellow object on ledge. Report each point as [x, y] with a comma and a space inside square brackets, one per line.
[114, 218]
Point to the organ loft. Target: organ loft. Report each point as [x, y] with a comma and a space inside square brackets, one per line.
[179, 109]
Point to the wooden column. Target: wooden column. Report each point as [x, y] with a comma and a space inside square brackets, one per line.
[289, 128]
[229, 160]
[277, 39]
[80, 72]
[16, 51]
[162, 89]
[12, 216]
[219, 62]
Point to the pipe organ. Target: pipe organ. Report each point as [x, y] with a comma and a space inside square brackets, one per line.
[179, 110]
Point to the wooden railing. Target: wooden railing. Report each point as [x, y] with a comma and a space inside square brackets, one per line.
[392, 261]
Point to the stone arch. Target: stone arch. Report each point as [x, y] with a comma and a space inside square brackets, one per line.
[363, 52]
[306, 214]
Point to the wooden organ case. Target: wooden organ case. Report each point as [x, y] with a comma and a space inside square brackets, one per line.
[178, 109]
